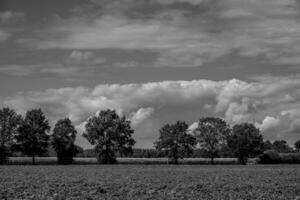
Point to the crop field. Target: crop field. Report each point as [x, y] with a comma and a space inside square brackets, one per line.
[262, 182]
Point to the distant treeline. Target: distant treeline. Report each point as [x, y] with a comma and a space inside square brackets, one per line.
[279, 146]
[112, 137]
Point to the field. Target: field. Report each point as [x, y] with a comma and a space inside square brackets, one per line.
[280, 182]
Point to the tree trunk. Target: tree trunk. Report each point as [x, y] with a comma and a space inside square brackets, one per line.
[33, 159]
[2, 154]
[212, 160]
[175, 161]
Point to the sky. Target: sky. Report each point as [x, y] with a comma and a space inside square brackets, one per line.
[155, 62]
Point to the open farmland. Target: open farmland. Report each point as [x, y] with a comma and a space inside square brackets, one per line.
[280, 182]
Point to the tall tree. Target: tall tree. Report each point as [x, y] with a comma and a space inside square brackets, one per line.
[297, 146]
[245, 141]
[9, 123]
[281, 146]
[110, 134]
[175, 141]
[32, 138]
[211, 134]
[63, 138]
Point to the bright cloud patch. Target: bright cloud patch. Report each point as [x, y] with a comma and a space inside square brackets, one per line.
[168, 101]
[140, 115]
[269, 123]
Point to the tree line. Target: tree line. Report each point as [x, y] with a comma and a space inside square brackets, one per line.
[111, 136]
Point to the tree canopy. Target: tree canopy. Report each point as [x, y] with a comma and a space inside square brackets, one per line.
[32, 138]
[297, 146]
[9, 123]
[175, 142]
[63, 138]
[281, 146]
[211, 134]
[245, 141]
[110, 134]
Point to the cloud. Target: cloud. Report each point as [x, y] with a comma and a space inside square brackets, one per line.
[183, 36]
[4, 35]
[168, 2]
[85, 57]
[10, 16]
[269, 123]
[192, 128]
[78, 55]
[139, 116]
[41, 68]
[237, 101]
[77, 64]
[18, 70]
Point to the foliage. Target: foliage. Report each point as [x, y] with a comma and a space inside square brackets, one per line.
[269, 157]
[63, 138]
[267, 145]
[273, 157]
[110, 134]
[175, 141]
[297, 146]
[9, 123]
[245, 141]
[32, 138]
[281, 146]
[211, 134]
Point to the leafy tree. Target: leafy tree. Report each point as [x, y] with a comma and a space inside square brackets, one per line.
[281, 146]
[211, 134]
[32, 138]
[267, 145]
[175, 141]
[245, 141]
[297, 146]
[9, 123]
[110, 134]
[63, 138]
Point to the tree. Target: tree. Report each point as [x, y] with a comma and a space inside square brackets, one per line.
[245, 141]
[110, 134]
[32, 138]
[9, 123]
[281, 146]
[297, 146]
[63, 138]
[267, 145]
[175, 141]
[211, 134]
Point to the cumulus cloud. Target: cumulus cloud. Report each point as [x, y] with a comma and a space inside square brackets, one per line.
[139, 116]
[269, 123]
[237, 101]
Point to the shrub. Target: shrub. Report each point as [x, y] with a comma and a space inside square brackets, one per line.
[273, 157]
[269, 157]
[290, 158]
